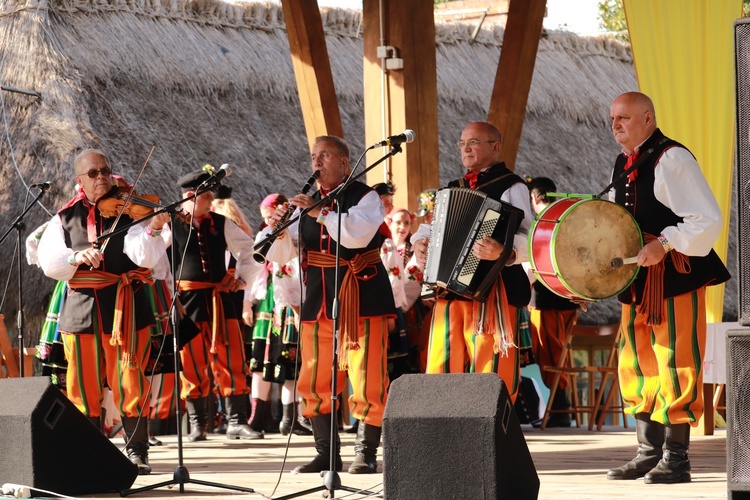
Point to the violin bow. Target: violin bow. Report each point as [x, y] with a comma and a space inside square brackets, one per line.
[128, 197]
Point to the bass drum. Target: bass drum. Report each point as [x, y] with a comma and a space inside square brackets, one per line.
[572, 244]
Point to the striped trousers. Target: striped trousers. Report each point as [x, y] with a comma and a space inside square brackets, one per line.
[549, 330]
[92, 362]
[367, 369]
[660, 367]
[456, 348]
[227, 365]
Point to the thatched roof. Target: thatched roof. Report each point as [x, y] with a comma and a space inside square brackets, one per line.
[208, 81]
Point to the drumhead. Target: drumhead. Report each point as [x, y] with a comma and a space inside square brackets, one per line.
[588, 236]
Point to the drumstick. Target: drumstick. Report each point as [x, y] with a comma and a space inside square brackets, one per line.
[618, 262]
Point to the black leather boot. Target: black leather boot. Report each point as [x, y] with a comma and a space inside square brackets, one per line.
[674, 466]
[650, 441]
[366, 450]
[290, 424]
[321, 425]
[136, 433]
[196, 409]
[237, 407]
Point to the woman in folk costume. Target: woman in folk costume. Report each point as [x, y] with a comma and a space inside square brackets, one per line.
[276, 292]
[406, 281]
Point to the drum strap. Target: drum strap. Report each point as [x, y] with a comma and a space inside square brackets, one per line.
[641, 159]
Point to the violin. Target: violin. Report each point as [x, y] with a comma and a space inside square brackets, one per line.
[137, 207]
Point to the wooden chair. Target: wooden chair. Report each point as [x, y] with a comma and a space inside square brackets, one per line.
[9, 356]
[600, 396]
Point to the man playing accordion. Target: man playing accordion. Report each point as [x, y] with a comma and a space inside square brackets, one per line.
[468, 335]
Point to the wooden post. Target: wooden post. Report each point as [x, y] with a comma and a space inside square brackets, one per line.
[396, 98]
[514, 72]
[312, 69]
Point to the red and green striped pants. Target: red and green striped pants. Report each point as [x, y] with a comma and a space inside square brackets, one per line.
[456, 348]
[367, 369]
[660, 366]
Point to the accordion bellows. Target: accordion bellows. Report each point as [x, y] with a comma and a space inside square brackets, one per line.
[463, 216]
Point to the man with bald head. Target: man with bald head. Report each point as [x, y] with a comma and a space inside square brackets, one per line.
[104, 342]
[462, 338]
[664, 311]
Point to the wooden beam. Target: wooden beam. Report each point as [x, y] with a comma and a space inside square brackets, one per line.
[400, 99]
[514, 73]
[312, 69]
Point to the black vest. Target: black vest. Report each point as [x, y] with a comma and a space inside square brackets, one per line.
[210, 250]
[494, 182]
[375, 292]
[85, 306]
[652, 217]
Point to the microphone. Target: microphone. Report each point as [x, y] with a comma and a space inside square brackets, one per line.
[407, 136]
[44, 186]
[223, 171]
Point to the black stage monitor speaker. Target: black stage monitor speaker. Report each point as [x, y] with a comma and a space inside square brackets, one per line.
[738, 413]
[742, 50]
[47, 443]
[454, 436]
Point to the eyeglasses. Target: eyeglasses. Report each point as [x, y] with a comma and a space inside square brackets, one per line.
[93, 173]
[471, 143]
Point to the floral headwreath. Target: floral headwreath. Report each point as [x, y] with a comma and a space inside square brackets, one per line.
[426, 202]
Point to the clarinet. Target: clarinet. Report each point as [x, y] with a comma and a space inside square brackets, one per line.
[260, 254]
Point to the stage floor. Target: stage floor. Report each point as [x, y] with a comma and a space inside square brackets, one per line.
[571, 464]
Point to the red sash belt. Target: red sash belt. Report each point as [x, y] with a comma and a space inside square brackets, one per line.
[349, 293]
[218, 325]
[123, 329]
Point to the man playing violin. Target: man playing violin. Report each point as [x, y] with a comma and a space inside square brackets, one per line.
[106, 316]
[204, 284]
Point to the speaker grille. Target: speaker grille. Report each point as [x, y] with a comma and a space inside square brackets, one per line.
[742, 50]
[738, 409]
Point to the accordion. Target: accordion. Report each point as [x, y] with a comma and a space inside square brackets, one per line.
[463, 216]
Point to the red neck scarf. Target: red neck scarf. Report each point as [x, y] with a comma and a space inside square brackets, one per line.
[631, 160]
[472, 177]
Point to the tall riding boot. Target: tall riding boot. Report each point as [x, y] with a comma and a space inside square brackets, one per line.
[650, 436]
[197, 415]
[136, 433]
[366, 450]
[321, 425]
[257, 422]
[290, 424]
[674, 466]
[237, 406]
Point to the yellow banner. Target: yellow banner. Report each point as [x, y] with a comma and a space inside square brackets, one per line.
[684, 61]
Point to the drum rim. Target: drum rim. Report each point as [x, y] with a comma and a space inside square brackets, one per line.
[575, 202]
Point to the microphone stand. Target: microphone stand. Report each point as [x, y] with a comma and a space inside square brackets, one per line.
[331, 479]
[19, 227]
[181, 475]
